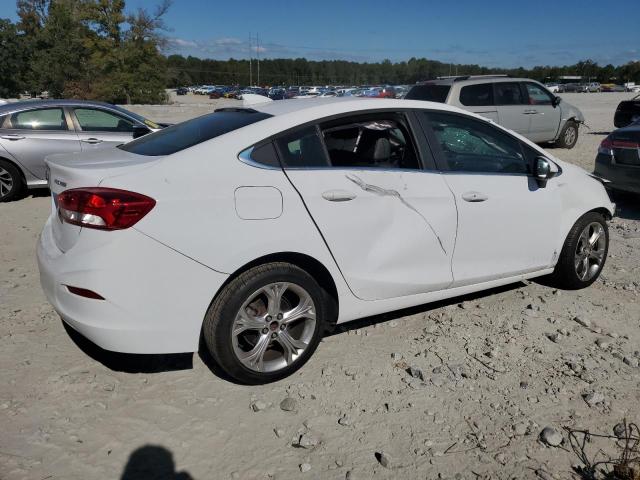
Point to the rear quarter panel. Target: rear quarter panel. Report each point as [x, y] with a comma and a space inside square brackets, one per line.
[196, 213]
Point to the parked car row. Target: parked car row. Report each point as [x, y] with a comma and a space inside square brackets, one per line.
[294, 91]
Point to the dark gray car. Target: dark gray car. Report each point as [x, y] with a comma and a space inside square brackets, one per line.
[618, 159]
[31, 130]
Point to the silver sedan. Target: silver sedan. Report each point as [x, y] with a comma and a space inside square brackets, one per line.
[31, 130]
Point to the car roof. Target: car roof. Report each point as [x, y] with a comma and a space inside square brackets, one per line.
[475, 79]
[27, 104]
[292, 110]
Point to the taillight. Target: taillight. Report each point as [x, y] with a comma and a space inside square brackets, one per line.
[606, 147]
[103, 208]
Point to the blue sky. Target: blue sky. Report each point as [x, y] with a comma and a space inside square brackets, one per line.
[491, 33]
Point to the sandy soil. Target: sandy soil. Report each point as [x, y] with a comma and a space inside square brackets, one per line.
[461, 389]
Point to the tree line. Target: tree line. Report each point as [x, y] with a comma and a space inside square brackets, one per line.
[94, 49]
[300, 71]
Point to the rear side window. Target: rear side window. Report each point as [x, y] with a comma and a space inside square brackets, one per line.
[507, 93]
[477, 95]
[302, 149]
[429, 92]
[192, 132]
[378, 141]
[41, 119]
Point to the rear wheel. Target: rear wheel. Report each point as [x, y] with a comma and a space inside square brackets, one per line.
[11, 183]
[569, 135]
[266, 323]
[584, 253]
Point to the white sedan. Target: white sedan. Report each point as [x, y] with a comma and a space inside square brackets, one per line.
[262, 227]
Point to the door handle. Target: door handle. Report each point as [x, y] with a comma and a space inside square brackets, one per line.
[530, 111]
[12, 136]
[92, 141]
[474, 197]
[338, 195]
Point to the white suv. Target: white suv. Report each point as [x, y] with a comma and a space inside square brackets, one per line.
[262, 227]
[519, 104]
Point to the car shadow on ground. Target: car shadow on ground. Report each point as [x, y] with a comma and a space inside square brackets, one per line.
[129, 362]
[152, 462]
[425, 308]
[156, 363]
[627, 205]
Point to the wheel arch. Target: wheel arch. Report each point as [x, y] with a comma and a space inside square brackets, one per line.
[603, 211]
[312, 266]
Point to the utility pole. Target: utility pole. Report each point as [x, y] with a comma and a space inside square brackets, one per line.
[250, 55]
[258, 55]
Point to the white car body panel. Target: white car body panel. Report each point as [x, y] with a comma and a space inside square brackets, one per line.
[395, 238]
[160, 276]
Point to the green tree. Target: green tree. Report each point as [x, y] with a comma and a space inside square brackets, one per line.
[12, 60]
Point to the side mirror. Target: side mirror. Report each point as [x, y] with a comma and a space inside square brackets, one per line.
[556, 101]
[139, 131]
[544, 170]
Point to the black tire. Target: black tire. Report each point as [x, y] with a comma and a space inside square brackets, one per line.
[221, 315]
[565, 275]
[10, 175]
[569, 135]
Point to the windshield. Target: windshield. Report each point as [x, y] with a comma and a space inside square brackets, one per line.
[192, 132]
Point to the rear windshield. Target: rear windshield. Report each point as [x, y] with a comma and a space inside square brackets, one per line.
[192, 132]
[429, 92]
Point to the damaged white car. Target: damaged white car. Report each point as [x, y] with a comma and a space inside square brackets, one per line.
[258, 228]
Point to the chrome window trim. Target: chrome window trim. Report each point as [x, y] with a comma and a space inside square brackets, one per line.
[245, 157]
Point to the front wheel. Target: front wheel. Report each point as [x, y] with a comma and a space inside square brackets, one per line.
[584, 253]
[569, 135]
[266, 323]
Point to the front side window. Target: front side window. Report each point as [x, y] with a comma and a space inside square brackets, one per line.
[192, 132]
[507, 93]
[41, 119]
[538, 95]
[93, 120]
[477, 95]
[471, 145]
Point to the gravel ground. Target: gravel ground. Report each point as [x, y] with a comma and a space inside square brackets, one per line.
[462, 389]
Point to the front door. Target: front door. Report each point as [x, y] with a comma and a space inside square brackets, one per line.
[30, 135]
[544, 117]
[507, 224]
[98, 128]
[389, 225]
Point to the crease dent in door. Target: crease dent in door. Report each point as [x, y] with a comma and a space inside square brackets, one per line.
[367, 187]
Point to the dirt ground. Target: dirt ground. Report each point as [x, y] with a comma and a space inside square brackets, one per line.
[460, 389]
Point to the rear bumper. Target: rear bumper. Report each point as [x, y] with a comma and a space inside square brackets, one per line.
[155, 298]
[621, 177]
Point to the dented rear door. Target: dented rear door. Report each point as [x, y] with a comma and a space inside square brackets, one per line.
[391, 231]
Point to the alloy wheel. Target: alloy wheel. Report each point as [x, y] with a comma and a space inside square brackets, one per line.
[570, 135]
[6, 182]
[273, 327]
[590, 251]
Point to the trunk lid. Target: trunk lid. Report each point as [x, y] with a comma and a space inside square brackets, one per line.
[67, 171]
